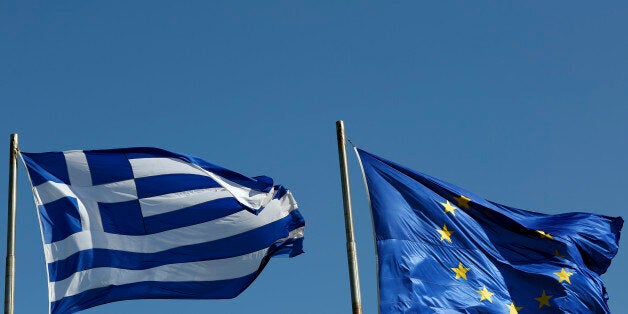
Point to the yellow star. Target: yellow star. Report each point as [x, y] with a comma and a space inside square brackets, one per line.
[545, 234]
[463, 201]
[460, 271]
[563, 275]
[449, 208]
[485, 294]
[444, 233]
[513, 308]
[544, 299]
[557, 254]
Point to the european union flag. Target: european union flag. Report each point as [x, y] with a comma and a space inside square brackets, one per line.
[443, 249]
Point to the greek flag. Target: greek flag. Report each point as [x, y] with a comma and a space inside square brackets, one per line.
[145, 223]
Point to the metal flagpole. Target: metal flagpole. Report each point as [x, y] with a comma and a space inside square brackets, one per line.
[356, 300]
[9, 279]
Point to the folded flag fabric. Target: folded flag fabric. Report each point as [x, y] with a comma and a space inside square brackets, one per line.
[145, 223]
[443, 249]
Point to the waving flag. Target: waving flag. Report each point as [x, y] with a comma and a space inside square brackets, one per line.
[443, 249]
[139, 223]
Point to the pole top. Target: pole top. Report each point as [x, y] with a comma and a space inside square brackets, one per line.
[340, 128]
[14, 140]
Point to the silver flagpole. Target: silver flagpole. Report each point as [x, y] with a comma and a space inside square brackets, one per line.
[352, 258]
[9, 279]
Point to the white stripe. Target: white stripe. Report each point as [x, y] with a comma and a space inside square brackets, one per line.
[212, 270]
[208, 231]
[50, 191]
[121, 191]
[78, 169]
[175, 201]
[146, 167]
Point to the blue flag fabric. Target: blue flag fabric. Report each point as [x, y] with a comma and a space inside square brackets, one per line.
[443, 249]
[140, 223]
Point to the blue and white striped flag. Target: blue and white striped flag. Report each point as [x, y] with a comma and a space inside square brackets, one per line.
[145, 223]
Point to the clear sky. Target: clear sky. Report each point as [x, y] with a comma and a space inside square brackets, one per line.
[524, 104]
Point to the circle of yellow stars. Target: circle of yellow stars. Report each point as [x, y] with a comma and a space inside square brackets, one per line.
[484, 293]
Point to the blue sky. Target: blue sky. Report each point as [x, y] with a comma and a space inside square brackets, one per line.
[524, 104]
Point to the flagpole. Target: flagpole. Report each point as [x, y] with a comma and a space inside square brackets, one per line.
[9, 279]
[352, 258]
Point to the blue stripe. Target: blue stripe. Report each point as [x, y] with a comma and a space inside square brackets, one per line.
[280, 191]
[192, 215]
[198, 213]
[221, 289]
[172, 183]
[236, 245]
